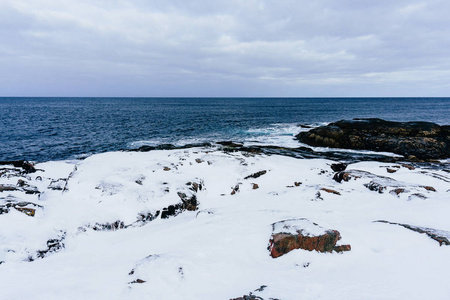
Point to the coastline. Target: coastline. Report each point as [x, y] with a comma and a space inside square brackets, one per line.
[97, 223]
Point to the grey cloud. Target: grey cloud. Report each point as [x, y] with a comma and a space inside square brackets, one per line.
[224, 48]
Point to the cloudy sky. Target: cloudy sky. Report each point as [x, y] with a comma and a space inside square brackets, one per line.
[224, 48]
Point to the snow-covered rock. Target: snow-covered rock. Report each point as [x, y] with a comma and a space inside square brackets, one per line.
[104, 224]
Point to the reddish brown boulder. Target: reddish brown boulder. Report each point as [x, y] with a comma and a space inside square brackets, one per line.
[303, 234]
[330, 191]
[429, 188]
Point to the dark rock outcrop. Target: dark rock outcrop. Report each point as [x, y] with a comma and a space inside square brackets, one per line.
[303, 234]
[147, 148]
[53, 245]
[441, 236]
[256, 175]
[420, 140]
[338, 167]
[25, 165]
[59, 184]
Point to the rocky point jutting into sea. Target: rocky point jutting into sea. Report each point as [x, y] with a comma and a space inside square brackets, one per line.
[229, 220]
[413, 140]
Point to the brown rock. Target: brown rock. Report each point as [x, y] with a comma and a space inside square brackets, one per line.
[8, 188]
[255, 186]
[28, 211]
[342, 248]
[430, 188]
[302, 234]
[409, 167]
[389, 170]
[235, 189]
[330, 191]
[397, 191]
[166, 169]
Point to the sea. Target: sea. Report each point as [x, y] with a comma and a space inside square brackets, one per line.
[44, 129]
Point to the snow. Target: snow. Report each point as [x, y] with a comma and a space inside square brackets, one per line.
[220, 250]
[295, 226]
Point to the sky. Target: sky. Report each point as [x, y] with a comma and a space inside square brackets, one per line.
[234, 48]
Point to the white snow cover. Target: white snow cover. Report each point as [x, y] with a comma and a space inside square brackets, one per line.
[220, 251]
[295, 226]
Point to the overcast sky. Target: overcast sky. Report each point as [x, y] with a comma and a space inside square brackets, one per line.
[224, 48]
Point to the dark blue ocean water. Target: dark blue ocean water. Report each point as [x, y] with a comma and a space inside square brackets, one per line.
[41, 129]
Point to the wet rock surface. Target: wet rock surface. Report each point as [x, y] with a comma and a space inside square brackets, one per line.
[414, 140]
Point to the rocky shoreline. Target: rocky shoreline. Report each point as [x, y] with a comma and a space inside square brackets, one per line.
[216, 221]
[413, 140]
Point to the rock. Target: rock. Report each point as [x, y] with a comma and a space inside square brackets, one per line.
[293, 234]
[109, 226]
[166, 169]
[255, 186]
[338, 167]
[318, 197]
[20, 186]
[422, 140]
[138, 281]
[256, 175]
[429, 188]
[417, 196]
[296, 184]
[441, 236]
[235, 189]
[26, 210]
[59, 184]
[305, 126]
[198, 160]
[146, 148]
[338, 177]
[330, 191]
[8, 188]
[25, 165]
[171, 210]
[230, 144]
[389, 170]
[248, 297]
[397, 191]
[375, 186]
[188, 203]
[53, 245]
[409, 167]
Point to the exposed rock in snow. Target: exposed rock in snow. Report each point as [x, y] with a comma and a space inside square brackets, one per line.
[441, 236]
[293, 234]
[338, 167]
[256, 175]
[58, 184]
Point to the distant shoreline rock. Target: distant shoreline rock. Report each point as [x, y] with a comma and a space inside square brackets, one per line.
[414, 140]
